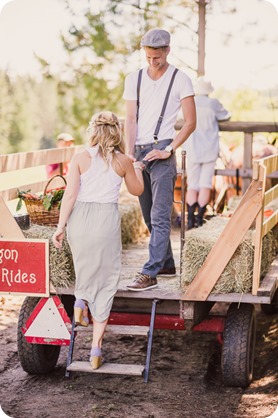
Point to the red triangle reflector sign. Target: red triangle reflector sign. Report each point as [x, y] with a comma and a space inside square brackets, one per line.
[48, 323]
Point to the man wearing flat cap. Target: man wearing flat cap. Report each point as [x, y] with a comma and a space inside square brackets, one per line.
[153, 97]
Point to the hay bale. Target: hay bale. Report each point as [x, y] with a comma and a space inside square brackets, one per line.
[132, 224]
[237, 276]
[61, 269]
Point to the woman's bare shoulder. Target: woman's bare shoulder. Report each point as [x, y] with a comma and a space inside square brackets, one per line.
[124, 159]
[81, 155]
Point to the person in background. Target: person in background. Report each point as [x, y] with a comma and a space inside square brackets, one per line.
[150, 134]
[202, 150]
[89, 210]
[63, 140]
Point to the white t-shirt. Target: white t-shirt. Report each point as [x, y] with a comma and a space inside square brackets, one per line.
[152, 96]
[203, 144]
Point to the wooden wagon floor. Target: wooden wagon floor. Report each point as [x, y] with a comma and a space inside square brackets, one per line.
[133, 259]
[136, 255]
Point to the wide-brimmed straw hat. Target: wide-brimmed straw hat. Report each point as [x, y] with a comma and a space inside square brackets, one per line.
[203, 86]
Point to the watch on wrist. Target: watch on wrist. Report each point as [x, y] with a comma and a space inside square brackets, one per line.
[169, 149]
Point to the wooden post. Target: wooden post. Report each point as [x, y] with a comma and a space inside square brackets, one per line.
[183, 204]
[258, 235]
[201, 37]
[247, 158]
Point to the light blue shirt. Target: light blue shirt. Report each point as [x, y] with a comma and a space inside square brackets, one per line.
[203, 144]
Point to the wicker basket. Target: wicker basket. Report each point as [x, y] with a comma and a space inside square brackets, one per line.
[37, 212]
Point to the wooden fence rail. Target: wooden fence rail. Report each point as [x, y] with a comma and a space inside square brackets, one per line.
[14, 162]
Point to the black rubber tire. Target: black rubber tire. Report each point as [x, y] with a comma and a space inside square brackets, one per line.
[239, 345]
[34, 358]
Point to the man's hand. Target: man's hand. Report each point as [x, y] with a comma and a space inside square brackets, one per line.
[156, 154]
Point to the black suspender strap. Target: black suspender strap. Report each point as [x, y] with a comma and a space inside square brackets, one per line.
[138, 93]
[159, 122]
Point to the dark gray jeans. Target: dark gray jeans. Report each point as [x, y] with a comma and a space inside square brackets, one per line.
[156, 204]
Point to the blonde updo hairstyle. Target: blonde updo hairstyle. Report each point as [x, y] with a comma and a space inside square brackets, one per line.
[104, 130]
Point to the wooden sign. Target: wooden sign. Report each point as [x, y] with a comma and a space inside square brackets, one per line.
[24, 267]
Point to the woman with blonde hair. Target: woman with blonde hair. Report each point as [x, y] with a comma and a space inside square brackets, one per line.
[89, 209]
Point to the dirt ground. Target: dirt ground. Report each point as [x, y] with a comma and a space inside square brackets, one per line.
[185, 377]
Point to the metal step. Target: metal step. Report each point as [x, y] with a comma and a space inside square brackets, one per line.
[110, 368]
[118, 329]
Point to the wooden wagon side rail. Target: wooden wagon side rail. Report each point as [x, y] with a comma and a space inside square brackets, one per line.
[23, 160]
[262, 168]
[248, 129]
[250, 208]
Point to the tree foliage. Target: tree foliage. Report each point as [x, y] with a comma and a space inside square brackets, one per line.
[102, 46]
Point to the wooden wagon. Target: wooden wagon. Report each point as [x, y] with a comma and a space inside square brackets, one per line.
[143, 312]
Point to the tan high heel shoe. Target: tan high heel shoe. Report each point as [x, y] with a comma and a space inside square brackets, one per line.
[79, 317]
[96, 362]
[96, 358]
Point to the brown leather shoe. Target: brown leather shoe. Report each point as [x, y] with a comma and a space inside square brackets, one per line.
[142, 282]
[170, 272]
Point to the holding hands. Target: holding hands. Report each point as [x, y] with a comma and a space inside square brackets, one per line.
[138, 165]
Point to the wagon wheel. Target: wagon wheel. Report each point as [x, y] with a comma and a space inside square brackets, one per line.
[239, 345]
[34, 358]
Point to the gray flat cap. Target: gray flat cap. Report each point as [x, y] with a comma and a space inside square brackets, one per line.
[156, 38]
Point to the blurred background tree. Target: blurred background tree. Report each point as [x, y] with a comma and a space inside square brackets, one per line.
[102, 45]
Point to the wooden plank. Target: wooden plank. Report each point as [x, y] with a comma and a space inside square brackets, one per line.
[11, 194]
[270, 195]
[21, 160]
[9, 228]
[258, 236]
[225, 246]
[196, 311]
[168, 288]
[37, 187]
[270, 281]
[109, 368]
[247, 159]
[169, 304]
[238, 298]
[269, 223]
[239, 126]
[119, 329]
[271, 163]
[256, 165]
[232, 172]
[127, 330]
